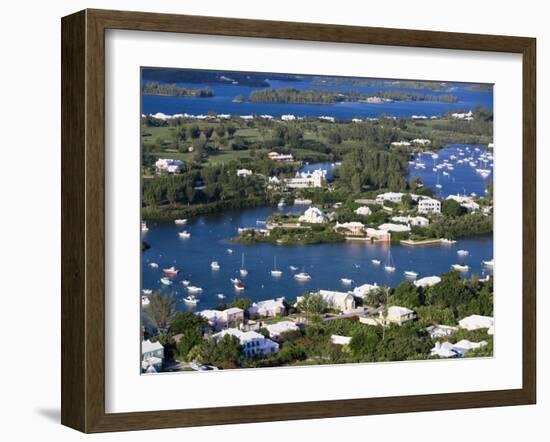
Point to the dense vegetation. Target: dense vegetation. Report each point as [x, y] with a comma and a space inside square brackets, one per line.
[154, 88]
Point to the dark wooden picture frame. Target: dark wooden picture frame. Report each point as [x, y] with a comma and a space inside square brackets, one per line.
[83, 219]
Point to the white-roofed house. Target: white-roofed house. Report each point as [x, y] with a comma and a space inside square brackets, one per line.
[390, 227]
[429, 205]
[152, 355]
[427, 281]
[363, 210]
[340, 340]
[275, 330]
[363, 290]
[475, 322]
[313, 215]
[412, 220]
[244, 172]
[398, 315]
[168, 165]
[219, 319]
[339, 300]
[458, 350]
[441, 331]
[394, 197]
[252, 343]
[378, 235]
[353, 228]
[270, 307]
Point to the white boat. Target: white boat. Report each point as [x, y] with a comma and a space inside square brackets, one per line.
[239, 286]
[145, 300]
[460, 267]
[235, 280]
[275, 272]
[302, 276]
[281, 204]
[445, 173]
[462, 252]
[485, 174]
[389, 266]
[147, 292]
[214, 265]
[165, 281]
[490, 263]
[435, 156]
[293, 268]
[194, 289]
[144, 227]
[191, 300]
[434, 169]
[153, 265]
[186, 282]
[410, 274]
[171, 271]
[220, 296]
[346, 281]
[180, 221]
[376, 262]
[230, 251]
[185, 234]
[243, 271]
[447, 241]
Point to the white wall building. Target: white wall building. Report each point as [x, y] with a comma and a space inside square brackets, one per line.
[353, 228]
[363, 290]
[475, 322]
[340, 340]
[275, 330]
[441, 331]
[252, 343]
[390, 227]
[168, 165]
[244, 172]
[412, 220]
[270, 307]
[363, 210]
[399, 315]
[429, 205]
[219, 319]
[427, 281]
[458, 350]
[152, 355]
[313, 215]
[276, 156]
[394, 197]
[338, 300]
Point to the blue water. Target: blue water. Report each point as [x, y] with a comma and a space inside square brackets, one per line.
[224, 94]
[326, 263]
[463, 179]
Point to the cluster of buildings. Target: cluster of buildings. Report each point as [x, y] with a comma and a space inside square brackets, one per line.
[169, 165]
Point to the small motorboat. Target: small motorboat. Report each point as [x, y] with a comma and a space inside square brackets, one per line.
[185, 282]
[191, 300]
[145, 300]
[214, 265]
[293, 268]
[180, 221]
[389, 268]
[153, 265]
[147, 292]
[460, 267]
[410, 274]
[220, 296]
[230, 251]
[166, 281]
[239, 286]
[281, 204]
[302, 276]
[243, 270]
[490, 263]
[171, 271]
[275, 272]
[194, 289]
[376, 262]
[346, 281]
[185, 234]
[462, 252]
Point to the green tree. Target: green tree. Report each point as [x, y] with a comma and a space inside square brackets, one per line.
[312, 303]
[160, 312]
[452, 208]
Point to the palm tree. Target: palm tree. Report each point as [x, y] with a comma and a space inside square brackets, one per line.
[160, 312]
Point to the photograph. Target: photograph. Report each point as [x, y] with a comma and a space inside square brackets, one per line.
[292, 220]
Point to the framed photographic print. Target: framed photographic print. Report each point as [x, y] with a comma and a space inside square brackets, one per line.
[267, 221]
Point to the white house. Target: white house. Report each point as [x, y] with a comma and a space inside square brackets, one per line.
[244, 172]
[168, 165]
[252, 343]
[305, 180]
[458, 350]
[465, 201]
[219, 319]
[441, 331]
[475, 322]
[463, 115]
[338, 300]
[275, 330]
[270, 307]
[421, 141]
[378, 235]
[399, 315]
[288, 117]
[401, 143]
[152, 355]
[276, 156]
[313, 215]
[412, 220]
[429, 205]
[427, 281]
[394, 197]
[363, 210]
[390, 227]
[363, 290]
[353, 228]
[340, 340]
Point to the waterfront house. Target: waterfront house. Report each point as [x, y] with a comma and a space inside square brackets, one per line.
[429, 205]
[168, 165]
[340, 340]
[363, 290]
[275, 330]
[458, 350]
[412, 220]
[342, 301]
[152, 355]
[394, 197]
[398, 315]
[441, 331]
[353, 228]
[390, 227]
[427, 281]
[252, 343]
[244, 172]
[268, 308]
[363, 210]
[378, 235]
[475, 322]
[313, 215]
